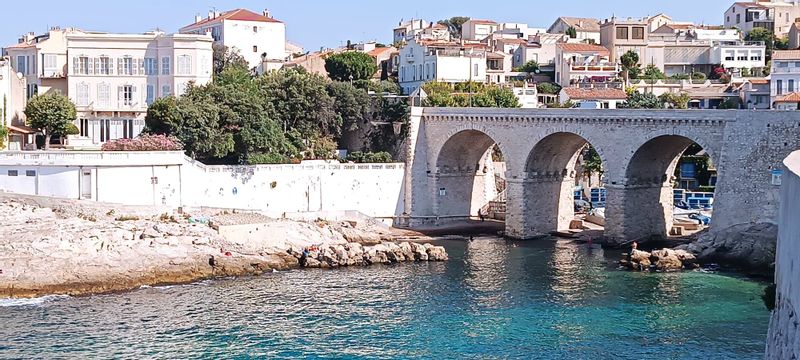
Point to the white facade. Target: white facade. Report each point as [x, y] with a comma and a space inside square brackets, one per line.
[169, 179]
[477, 30]
[421, 62]
[774, 15]
[112, 78]
[785, 79]
[12, 104]
[578, 63]
[257, 37]
[541, 48]
[739, 54]
[407, 30]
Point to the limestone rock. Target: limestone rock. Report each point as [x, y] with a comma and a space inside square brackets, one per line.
[666, 260]
[747, 246]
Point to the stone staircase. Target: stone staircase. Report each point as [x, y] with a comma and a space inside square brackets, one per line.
[496, 208]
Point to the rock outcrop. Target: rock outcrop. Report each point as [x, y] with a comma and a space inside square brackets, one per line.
[748, 246]
[77, 250]
[664, 260]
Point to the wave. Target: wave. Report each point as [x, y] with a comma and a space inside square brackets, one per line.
[32, 302]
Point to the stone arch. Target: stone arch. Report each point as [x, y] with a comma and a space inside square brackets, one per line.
[550, 178]
[465, 174]
[646, 205]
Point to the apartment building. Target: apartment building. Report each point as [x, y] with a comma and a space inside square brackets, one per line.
[112, 78]
[785, 80]
[12, 106]
[259, 38]
[478, 29]
[586, 29]
[622, 35]
[421, 61]
[407, 30]
[540, 48]
[776, 16]
[583, 63]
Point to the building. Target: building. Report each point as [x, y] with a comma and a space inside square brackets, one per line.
[477, 29]
[112, 78]
[785, 79]
[451, 62]
[12, 106]
[583, 63]
[586, 29]
[383, 58]
[776, 16]
[259, 38]
[794, 36]
[540, 48]
[656, 21]
[755, 94]
[620, 36]
[407, 30]
[593, 98]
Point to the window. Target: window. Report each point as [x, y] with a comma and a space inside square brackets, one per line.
[13, 173]
[779, 86]
[22, 64]
[729, 57]
[32, 90]
[755, 58]
[255, 29]
[165, 91]
[638, 33]
[84, 127]
[82, 94]
[165, 65]
[125, 66]
[126, 94]
[216, 34]
[103, 96]
[797, 64]
[741, 58]
[727, 19]
[50, 64]
[184, 65]
[103, 65]
[151, 94]
[105, 130]
[30, 173]
[127, 129]
[782, 64]
[474, 69]
[150, 66]
[791, 86]
[255, 48]
[622, 33]
[738, 18]
[80, 65]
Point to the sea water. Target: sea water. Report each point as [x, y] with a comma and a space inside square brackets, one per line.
[494, 299]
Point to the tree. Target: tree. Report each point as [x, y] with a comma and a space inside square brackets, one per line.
[676, 101]
[51, 113]
[455, 25]
[651, 72]
[351, 105]
[225, 57]
[548, 88]
[571, 32]
[630, 65]
[350, 65]
[637, 100]
[592, 163]
[529, 67]
[762, 34]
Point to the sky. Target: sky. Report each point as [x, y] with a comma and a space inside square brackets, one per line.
[330, 23]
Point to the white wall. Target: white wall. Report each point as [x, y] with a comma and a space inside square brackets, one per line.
[269, 38]
[373, 189]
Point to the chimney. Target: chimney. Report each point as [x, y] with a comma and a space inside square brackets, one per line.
[580, 24]
[267, 14]
[211, 15]
[198, 18]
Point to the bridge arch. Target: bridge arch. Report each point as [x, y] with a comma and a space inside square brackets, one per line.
[466, 179]
[645, 199]
[550, 179]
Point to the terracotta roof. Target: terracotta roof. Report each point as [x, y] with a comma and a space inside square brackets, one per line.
[237, 14]
[786, 54]
[758, 81]
[22, 129]
[483, 22]
[20, 46]
[789, 98]
[595, 94]
[379, 51]
[583, 48]
[513, 41]
[589, 24]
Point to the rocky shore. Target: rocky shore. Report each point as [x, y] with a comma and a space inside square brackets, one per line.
[76, 248]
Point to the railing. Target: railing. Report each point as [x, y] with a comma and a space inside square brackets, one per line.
[596, 68]
[91, 158]
[297, 167]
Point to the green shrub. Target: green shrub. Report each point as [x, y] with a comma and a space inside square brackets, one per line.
[369, 157]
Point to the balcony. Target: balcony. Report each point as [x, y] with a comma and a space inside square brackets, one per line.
[458, 53]
[594, 68]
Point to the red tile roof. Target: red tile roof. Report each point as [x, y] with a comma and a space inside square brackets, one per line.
[237, 14]
[584, 48]
[595, 94]
[483, 22]
[789, 98]
[20, 46]
[379, 51]
[758, 81]
[786, 54]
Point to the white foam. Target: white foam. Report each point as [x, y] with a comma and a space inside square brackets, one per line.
[32, 302]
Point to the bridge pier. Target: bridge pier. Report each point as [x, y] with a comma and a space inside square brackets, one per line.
[635, 212]
[540, 205]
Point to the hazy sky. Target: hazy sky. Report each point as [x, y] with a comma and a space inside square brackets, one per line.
[329, 23]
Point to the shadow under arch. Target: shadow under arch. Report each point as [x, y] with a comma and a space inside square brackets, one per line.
[465, 175]
[648, 206]
[550, 178]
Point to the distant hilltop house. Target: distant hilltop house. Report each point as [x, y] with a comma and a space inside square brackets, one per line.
[777, 16]
[259, 38]
[586, 29]
[111, 78]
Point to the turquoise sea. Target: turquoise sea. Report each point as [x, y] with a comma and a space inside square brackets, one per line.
[494, 299]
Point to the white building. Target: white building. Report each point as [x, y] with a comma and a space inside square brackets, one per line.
[593, 98]
[12, 106]
[586, 29]
[540, 48]
[785, 79]
[259, 38]
[776, 16]
[583, 63]
[407, 30]
[423, 61]
[112, 78]
[477, 29]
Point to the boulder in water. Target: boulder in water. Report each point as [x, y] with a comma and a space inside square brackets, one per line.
[747, 246]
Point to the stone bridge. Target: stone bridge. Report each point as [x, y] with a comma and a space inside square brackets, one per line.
[449, 152]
